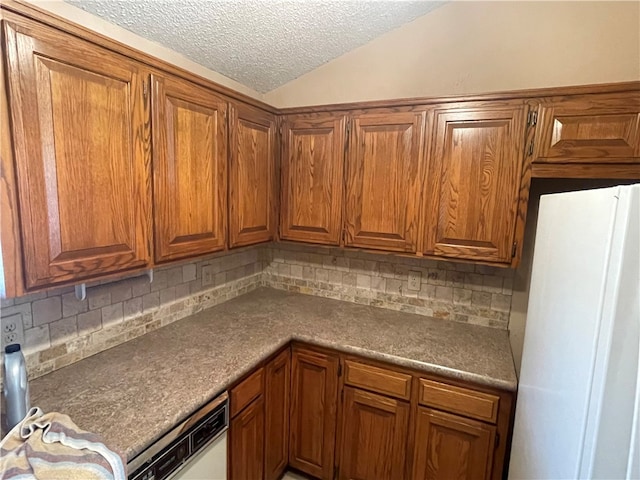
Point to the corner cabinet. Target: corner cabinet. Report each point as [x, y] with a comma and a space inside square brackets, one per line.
[189, 169]
[314, 399]
[476, 169]
[385, 173]
[312, 178]
[81, 127]
[252, 176]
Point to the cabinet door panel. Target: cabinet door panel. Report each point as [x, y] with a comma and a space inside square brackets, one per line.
[312, 176]
[314, 392]
[252, 172]
[373, 436]
[277, 390]
[80, 128]
[246, 442]
[474, 175]
[189, 169]
[595, 129]
[447, 446]
[384, 181]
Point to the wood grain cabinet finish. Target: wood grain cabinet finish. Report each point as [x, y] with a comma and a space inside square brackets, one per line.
[80, 131]
[277, 394]
[475, 171]
[189, 169]
[314, 396]
[312, 178]
[384, 181]
[246, 443]
[447, 446]
[252, 176]
[597, 129]
[373, 438]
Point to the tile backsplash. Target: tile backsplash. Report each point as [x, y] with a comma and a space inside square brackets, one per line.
[461, 292]
[56, 329]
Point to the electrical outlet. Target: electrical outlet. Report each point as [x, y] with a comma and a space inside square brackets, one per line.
[12, 331]
[415, 279]
[207, 275]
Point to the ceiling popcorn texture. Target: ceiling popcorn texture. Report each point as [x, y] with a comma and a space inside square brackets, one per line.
[262, 44]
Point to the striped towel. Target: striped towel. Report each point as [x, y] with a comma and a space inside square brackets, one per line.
[50, 446]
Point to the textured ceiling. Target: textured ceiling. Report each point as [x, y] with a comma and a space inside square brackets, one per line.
[260, 43]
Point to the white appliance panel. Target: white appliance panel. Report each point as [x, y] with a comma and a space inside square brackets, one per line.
[568, 317]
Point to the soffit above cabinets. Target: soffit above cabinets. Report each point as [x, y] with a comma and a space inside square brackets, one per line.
[262, 44]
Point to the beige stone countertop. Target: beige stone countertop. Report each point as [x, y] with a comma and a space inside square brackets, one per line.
[134, 393]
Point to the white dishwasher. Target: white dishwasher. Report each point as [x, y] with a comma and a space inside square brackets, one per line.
[196, 449]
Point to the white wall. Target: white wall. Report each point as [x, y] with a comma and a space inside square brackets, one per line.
[90, 21]
[479, 47]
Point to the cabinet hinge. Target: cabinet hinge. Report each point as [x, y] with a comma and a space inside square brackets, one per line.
[532, 118]
[530, 151]
[497, 440]
[514, 248]
[340, 369]
[145, 89]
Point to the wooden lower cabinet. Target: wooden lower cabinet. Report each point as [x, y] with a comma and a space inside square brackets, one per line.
[373, 436]
[314, 399]
[451, 446]
[276, 391]
[246, 443]
[334, 416]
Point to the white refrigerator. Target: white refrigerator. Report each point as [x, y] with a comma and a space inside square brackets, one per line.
[577, 411]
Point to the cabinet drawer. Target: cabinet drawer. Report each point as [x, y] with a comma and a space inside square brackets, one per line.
[248, 390]
[377, 379]
[482, 406]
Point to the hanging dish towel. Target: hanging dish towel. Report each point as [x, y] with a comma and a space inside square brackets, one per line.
[50, 446]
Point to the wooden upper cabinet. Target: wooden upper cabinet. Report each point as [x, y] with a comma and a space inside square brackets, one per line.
[384, 180]
[252, 176]
[601, 128]
[374, 435]
[475, 173]
[312, 178]
[189, 169]
[80, 132]
[314, 398]
[447, 446]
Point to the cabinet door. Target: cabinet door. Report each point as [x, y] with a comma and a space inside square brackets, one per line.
[189, 169]
[447, 446]
[252, 176]
[278, 380]
[373, 436]
[384, 181]
[312, 176]
[80, 130]
[474, 180]
[589, 129]
[314, 392]
[246, 441]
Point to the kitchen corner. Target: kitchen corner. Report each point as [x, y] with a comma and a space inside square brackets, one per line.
[133, 393]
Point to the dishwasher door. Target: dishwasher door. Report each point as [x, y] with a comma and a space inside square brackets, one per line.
[208, 464]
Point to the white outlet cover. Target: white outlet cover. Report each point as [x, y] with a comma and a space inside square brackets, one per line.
[415, 279]
[12, 330]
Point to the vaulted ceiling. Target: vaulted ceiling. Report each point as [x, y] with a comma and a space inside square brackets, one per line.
[262, 44]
